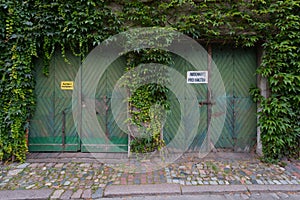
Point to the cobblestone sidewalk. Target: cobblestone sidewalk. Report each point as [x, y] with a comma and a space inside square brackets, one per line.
[213, 172]
[87, 180]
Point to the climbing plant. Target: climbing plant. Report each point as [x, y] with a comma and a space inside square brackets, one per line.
[147, 91]
[16, 83]
[279, 112]
[35, 29]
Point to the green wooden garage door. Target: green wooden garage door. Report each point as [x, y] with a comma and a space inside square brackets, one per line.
[112, 139]
[237, 68]
[174, 116]
[53, 128]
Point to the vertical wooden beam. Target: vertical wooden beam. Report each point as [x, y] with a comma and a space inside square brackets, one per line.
[209, 96]
[262, 84]
[128, 125]
[81, 106]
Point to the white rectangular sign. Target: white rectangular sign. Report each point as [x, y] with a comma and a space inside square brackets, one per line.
[197, 77]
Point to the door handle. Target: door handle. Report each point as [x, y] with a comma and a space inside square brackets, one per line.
[201, 103]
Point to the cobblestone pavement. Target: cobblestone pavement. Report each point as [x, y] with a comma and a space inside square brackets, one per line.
[87, 180]
[213, 172]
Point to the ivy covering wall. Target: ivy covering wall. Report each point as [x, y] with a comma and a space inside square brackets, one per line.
[36, 28]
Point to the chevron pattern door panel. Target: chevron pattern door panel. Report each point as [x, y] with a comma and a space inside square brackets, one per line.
[52, 127]
[175, 115]
[41, 129]
[245, 108]
[223, 58]
[237, 67]
[112, 138]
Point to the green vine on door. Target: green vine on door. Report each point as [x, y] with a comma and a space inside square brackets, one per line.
[147, 102]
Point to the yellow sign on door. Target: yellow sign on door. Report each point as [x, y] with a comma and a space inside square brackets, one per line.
[67, 85]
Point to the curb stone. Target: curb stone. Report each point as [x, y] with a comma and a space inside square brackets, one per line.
[273, 188]
[213, 189]
[25, 194]
[67, 194]
[150, 189]
[56, 194]
[98, 193]
[177, 189]
[77, 194]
